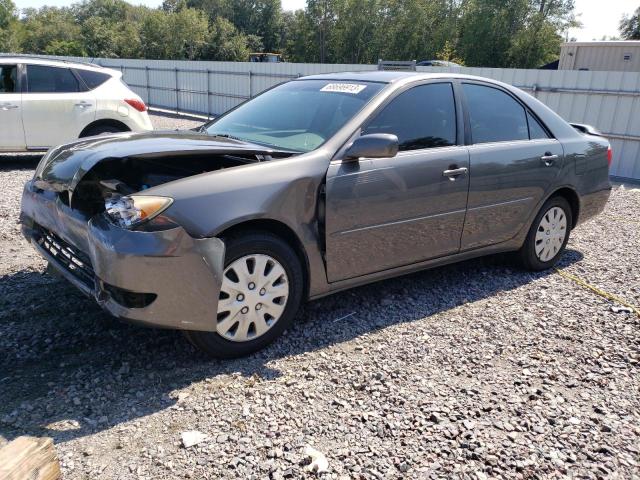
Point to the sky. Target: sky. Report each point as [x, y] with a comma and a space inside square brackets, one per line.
[599, 18]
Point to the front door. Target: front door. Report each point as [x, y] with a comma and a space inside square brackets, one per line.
[11, 131]
[56, 106]
[514, 163]
[388, 212]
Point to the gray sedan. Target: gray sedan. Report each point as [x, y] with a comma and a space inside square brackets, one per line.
[315, 186]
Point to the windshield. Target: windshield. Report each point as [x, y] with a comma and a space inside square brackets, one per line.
[299, 115]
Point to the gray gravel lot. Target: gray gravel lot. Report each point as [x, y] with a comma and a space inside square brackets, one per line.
[167, 121]
[476, 370]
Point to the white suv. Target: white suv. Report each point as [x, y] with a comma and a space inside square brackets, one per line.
[48, 102]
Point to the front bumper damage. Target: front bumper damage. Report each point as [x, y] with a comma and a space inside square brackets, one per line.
[164, 279]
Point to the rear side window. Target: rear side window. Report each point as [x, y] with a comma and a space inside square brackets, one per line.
[494, 115]
[422, 117]
[8, 79]
[535, 129]
[93, 79]
[43, 79]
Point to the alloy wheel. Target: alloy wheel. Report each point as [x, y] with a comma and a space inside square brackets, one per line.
[550, 234]
[253, 297]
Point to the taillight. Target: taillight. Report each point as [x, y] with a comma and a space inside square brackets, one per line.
[137, 104]
[609, 155]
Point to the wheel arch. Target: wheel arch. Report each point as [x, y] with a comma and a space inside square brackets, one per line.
[104, 122]
[571, 196]
[281, 230]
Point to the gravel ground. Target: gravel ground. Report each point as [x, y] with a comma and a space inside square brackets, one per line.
[167, 121]
[476, 370]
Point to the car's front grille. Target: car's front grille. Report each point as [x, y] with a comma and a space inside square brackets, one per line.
[73, 260]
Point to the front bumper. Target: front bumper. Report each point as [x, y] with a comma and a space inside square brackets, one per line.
[163, 279]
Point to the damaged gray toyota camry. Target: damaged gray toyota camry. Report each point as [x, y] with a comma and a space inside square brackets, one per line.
[316, 185]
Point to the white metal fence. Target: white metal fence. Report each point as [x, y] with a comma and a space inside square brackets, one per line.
[609, 101]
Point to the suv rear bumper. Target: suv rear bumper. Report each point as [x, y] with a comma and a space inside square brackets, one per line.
[163, 279]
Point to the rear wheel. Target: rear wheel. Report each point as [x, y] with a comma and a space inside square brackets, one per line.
[261, 292]
[102, 130]
[548, 236]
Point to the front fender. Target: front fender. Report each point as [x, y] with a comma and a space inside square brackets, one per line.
[283, 190]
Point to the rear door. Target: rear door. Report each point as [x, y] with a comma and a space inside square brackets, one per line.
[514, 162]
[56, 106]
[383, 213]
[11, 131]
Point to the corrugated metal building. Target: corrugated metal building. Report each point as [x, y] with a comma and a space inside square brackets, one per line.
[614, 56]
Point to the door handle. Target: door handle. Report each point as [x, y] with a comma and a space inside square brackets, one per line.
[455, 172]
[8, 106]
[83, 104]
[548, 159]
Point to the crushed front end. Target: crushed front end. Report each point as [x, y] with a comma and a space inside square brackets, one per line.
[160, 278]
[150, 272]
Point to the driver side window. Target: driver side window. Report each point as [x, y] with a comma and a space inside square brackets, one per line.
[422, 117]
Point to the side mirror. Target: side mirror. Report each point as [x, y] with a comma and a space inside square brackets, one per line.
[375, 145]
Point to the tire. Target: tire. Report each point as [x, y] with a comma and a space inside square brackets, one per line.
[552, 247]
[102, 130]
[239, 250]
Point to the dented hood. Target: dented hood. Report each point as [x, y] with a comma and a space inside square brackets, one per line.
[63, 167]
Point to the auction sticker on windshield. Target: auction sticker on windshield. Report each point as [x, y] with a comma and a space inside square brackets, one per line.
[354, 88]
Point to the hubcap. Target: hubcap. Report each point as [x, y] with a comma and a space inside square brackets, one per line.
[551, 234]
[253, 296]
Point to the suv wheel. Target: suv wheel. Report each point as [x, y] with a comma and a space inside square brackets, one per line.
[102, 130]
[548, 235]
[261, 292]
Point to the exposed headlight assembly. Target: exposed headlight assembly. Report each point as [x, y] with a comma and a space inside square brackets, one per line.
[131, 210]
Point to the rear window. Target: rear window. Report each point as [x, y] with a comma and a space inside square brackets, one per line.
[8, 78]
[93, 79]
[536, 131]
[494, 115]
[43, 79]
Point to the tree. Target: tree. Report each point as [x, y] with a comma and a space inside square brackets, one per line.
[226, 43]
[496, 33]
[105, 38]
[513, 33]
[9, 27]
[51, 30]
[630, 26]
[353, 36]
[297, 37]
[174, 35]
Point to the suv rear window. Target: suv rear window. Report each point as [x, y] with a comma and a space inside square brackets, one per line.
[93, 79]
[43, 79]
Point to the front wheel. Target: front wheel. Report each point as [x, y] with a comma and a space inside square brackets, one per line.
[261, 291]
[548, 235]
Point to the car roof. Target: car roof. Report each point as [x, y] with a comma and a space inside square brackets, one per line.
[52, 62]
[388, 76]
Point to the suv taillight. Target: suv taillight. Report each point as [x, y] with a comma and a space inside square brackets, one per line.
[609, 155]
[137, 104]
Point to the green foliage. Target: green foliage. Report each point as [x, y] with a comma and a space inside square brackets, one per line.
[9, 27]
[225, 43]
[449, 54]
[45, 29]
[494, 33]
[630, 26]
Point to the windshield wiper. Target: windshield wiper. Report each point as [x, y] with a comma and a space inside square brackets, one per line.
[227, 135]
